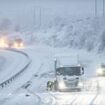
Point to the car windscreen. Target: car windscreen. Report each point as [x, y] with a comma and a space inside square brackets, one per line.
[69, 71]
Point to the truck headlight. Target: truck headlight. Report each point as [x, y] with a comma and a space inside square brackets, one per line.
[61, 85]
[80, 84]
[99, 71]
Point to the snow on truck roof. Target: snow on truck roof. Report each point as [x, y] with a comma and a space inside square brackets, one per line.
[67, 60]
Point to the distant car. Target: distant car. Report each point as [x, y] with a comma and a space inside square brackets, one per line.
[18, 43]
[101, 70]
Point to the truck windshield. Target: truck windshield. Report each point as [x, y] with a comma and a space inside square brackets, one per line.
[69, 71]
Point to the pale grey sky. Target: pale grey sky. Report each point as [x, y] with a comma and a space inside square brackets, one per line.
[24, 11]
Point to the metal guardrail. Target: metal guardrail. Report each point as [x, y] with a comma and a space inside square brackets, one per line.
[8, 81]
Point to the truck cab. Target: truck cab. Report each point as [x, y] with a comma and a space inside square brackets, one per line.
[69, 78]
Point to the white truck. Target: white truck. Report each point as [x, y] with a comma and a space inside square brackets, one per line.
[67, 78]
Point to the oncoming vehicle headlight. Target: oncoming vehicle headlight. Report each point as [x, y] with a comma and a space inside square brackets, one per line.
[99, 71]
[61, 85]
[21, 44]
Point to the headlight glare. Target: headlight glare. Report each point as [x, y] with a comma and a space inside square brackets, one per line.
[61, 85]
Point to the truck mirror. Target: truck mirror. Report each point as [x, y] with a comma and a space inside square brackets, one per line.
[55, 63]
[82, 70]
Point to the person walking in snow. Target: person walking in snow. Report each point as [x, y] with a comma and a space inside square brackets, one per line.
[49, 85]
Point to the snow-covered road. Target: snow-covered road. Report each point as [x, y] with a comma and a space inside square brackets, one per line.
[13, 63]
[41, 70]
[38, 84]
